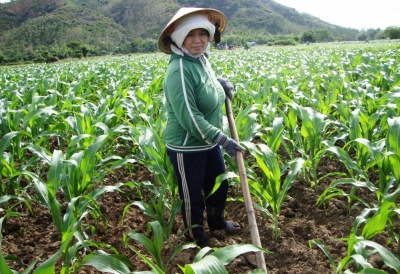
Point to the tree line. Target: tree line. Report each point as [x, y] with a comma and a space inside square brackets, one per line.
[36, 52]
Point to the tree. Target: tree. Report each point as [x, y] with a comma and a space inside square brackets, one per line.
[362, 36]
[308, 36]
[321, 35]
[393, 32]
[137, 45]
[3, 59]
[78, 49]
[85, 50]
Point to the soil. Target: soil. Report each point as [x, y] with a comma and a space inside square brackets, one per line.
[34, 236]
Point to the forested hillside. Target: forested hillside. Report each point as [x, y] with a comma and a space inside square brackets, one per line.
[46, 30]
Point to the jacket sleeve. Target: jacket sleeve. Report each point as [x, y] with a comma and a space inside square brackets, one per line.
[181, 95]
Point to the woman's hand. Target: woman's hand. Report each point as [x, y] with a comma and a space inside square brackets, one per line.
[228, 87]
[228, 144]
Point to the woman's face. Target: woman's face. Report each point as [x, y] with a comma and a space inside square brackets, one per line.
[196, 41]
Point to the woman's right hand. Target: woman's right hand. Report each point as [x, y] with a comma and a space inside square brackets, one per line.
[228, 144]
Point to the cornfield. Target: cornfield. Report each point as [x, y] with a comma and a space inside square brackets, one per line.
[67, 128]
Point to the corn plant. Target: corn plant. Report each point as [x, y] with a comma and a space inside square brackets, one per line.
[270, 191]
[79, 206]
[153, 155]
[357, 245]
[360, 256]
[108, 263]
[383, 156]
[246, 122]
[7, 165]
[393, 145]
[5, 200]
[313, 129]
[159, 205]
[216, 261]
[154, 246]
[291, 132]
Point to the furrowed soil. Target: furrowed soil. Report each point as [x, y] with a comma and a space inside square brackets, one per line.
[34, 236]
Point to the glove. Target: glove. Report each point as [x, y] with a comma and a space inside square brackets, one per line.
[228, 144]
[228, 87]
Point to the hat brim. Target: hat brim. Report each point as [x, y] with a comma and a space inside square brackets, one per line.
[213, 16]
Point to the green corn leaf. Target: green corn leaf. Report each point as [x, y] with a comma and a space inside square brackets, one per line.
[393, 135]
[377, 223]
[269, 164]
[276, 136]
[89, 159]
[354, 127]
[145, 208]
[344, 157]
[48, 267]
[153, 152]
[371, 271]
[388, 258]
[47, 110]
[158, 239]
[5, 141]
[210, 264]
[258, 190]
[99, 191]
[70, 216]
[40, 152]
[6, 198]
[227, 253]
[154, 266]
[107, 264]
[343, 110]
[220, 178]
[324, 249]
[361, 261]
[29, 269]
[76, 139]
[55, 172]
[295, 166]
[246, 123]
[40, 188]
[153, 247]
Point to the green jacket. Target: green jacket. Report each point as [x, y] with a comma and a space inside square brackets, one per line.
[194, 101]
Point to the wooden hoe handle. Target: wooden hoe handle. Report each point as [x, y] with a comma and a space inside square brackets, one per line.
[255, 237]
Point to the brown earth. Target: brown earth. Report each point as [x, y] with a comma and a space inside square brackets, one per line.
[34, 236]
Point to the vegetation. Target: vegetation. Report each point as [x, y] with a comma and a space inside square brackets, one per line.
[39, 31]
[65, 126]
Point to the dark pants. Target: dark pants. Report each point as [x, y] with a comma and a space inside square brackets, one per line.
[196, 174]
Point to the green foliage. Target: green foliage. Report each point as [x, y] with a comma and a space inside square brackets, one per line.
[78, 121]
[308, 37]
[114, 27]
[392, 32]
[78, 49]
[270, 191]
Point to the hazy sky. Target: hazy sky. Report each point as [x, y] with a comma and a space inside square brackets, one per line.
[359, 14]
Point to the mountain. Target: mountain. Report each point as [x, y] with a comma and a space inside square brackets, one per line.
[31, 26]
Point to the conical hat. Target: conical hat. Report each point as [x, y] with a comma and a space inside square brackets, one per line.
[212, 15]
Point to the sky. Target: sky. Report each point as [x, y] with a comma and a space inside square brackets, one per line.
[358, 14]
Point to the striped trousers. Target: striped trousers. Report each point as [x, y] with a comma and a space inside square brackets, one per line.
[196, 173]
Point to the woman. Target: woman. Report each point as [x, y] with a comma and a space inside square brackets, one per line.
[193, 133]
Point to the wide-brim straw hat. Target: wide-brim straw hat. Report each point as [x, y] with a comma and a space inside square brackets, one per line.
[213, 16]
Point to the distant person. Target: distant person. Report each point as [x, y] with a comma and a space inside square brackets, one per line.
[193, 135]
